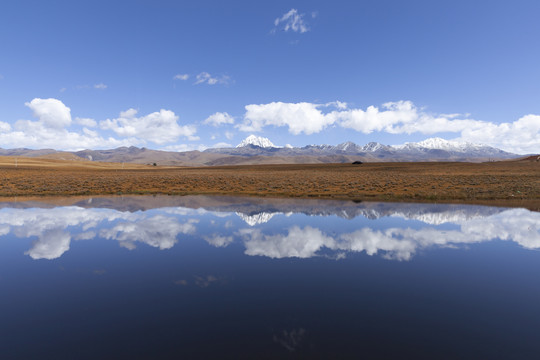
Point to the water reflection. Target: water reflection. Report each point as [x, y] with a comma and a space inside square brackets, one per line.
[275, 228]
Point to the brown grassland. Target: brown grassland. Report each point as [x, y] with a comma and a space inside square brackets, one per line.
[512, 183]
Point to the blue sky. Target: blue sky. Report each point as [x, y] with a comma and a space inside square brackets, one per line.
[189, 75]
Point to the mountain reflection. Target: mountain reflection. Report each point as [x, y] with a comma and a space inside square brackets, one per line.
[266, 227]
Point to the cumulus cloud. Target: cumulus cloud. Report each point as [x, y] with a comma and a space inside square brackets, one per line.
[292, 21]
[219, 118]
[206, 78]
[400, 117]
[4, 127]
[182, 77]
[521, 136]
[185, 147]
[159, 127]
[50, 130]
[100, 86]
[222, 145]
[300, 118]
[51, 112]
[86, 122]
[33, 134]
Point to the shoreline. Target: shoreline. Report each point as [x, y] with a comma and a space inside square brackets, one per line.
[68, 200]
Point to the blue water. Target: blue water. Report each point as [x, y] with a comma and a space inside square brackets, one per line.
[224, 277]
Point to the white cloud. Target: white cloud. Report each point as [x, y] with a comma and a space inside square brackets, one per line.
[4, 127]
[521, 136]
[181, 77]
[222, 145]
[292, 21]
[206, 78]
[33, 134]
[219, 118]
[400, 117]
[51, 129]
[337, 104]
[158, 127]
[86, 122]
[298, 117]
[100, 86]
[185, 147]
[51, 112]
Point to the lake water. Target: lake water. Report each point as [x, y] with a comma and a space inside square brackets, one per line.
[224, 277]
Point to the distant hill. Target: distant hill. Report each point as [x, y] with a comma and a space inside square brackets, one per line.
[259, 150]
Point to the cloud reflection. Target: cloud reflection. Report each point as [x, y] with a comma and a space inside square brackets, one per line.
[54, 227]
[370, 228]
[301, 243]
[158, 231]
[518, 225]
[51, 244]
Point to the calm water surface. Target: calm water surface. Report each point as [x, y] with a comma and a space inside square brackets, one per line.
[223, 277]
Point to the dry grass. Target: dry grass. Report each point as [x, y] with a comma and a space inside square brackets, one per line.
[445, 182]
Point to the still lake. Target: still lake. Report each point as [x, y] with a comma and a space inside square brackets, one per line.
[227, 277]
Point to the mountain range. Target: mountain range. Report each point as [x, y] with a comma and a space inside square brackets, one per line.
[433, 149]
[260, 150]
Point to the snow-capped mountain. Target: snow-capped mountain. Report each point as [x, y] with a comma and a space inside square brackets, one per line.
[433, 149]
[374, 146]
[256, 141]
[452, 148]
[441, 144]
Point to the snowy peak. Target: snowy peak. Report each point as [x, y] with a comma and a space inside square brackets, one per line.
[441, 144]
[373, 146]
[256, 141]
[433, 149]
[349, 145]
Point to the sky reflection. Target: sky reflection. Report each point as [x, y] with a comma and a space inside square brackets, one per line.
[270, 228]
